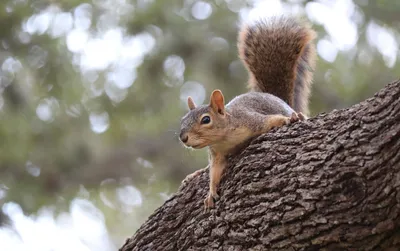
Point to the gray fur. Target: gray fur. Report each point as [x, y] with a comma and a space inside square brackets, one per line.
[192, 117]
[250, 109]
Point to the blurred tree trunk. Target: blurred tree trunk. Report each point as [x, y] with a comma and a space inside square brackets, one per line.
[330, 183]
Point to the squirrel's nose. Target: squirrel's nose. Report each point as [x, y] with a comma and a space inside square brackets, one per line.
[184, 137]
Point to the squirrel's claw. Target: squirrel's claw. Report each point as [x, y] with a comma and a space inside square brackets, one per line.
[190, 177]
[302, 117]
[209, 201]
[294, 117]
[297, 117]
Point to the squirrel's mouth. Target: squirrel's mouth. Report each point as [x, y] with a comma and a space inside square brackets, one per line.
[197, 146]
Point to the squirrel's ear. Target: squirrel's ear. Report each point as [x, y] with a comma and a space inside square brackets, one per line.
[217, 102]
[191, 103]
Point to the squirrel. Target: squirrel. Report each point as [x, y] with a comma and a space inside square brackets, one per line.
[279, 56]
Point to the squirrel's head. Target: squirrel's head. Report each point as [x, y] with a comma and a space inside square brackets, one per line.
[204, 125]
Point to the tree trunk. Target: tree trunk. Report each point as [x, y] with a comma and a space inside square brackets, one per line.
[329, 183]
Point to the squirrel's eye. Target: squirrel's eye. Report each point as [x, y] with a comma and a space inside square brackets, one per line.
[205, 120]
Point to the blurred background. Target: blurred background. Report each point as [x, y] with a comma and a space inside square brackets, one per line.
[92, 92]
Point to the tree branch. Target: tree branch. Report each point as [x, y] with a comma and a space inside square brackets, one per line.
[329, 183]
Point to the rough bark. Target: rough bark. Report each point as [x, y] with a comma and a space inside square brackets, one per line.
[329, 183]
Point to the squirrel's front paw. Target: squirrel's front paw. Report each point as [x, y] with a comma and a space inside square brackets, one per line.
[193, 175]
[209, 201]
[190, 177]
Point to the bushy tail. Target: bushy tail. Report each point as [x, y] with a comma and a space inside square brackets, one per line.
[280, 57]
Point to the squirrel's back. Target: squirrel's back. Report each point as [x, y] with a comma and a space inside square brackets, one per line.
[279, 54]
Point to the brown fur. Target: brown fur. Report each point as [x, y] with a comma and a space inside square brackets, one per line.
[273, 121]
[217, 166]
[280, 58]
